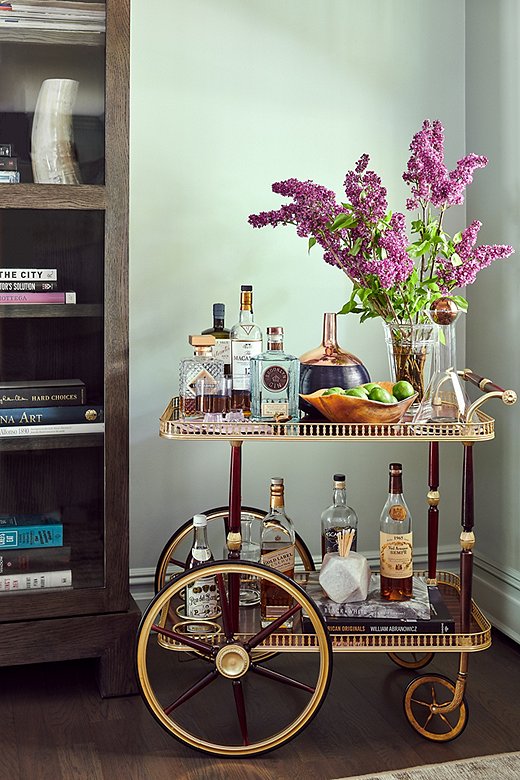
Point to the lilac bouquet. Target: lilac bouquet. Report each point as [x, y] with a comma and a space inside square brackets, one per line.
[393, 277]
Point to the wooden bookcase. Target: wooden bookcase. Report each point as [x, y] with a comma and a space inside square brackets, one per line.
[82, 230]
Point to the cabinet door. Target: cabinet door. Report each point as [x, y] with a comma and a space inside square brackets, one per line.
[76, 476]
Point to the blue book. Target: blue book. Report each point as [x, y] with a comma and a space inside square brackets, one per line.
[49, 415]
[31, 536]
[40, 518]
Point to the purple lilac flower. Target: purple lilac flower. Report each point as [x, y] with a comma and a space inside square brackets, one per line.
[473, 259]
[365, 192]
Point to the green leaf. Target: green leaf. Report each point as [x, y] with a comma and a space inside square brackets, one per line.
[356, 247]
[442, 337]
[460, 301]
[455, 260]
[457, 238]
[343, 221]
[417, 226]
[312, 241]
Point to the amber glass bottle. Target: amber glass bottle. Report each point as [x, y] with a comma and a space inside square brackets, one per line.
[396, 547]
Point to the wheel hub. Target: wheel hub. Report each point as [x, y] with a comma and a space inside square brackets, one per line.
[232, 661]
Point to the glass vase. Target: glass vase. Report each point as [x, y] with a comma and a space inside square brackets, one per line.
[328, 365]
[411, 351]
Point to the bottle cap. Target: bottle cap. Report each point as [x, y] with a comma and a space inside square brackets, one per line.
[199, 521]
[339, 478]
[276, 331]
[276, 480]
[201, 341]
[218, 311]
[246, 288]
[396, 468]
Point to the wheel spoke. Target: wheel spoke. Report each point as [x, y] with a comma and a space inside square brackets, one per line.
[183, 639]
[224, 605]
[202, 683]
[282, 678]
[428, 719]
[175, 562]
[419, 701]
[443, 717]
[238, 693]
[271, 628]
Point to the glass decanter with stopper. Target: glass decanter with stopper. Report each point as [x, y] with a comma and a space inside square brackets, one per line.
[337, 517]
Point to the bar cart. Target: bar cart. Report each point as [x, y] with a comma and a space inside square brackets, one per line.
[232, 688]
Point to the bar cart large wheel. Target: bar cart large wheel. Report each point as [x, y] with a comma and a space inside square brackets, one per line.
[169, 562]
[224, 701]
[434, 709]
[411, 660]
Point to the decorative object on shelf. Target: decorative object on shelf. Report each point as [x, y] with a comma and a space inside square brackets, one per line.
[341, 408]
[393, 278]
[345, 575]
[52, 141]
[328, 365]
[445, 399]
[410, 350]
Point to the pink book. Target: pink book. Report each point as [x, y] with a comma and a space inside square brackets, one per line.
[37, 297]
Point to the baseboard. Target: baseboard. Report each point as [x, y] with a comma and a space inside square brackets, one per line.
[497, 591]
[142, 580]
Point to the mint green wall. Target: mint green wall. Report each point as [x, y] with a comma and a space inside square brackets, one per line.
[227, 97]
[493, 128]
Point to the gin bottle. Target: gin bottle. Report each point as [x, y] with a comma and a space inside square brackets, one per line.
[202, 366]
[337, 517]
[277, 551]
[222, 348]
[275, 378]
[202, 595]
[246, 341]
[396, 546]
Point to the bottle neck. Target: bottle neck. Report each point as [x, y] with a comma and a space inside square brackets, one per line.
[395, 484]
[339, 496]
[200, 538]
[218, 323]
[276, 501]
[205, 352]
[275, 344]
[330, 338]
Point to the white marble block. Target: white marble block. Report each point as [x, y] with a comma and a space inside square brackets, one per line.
[345, 579]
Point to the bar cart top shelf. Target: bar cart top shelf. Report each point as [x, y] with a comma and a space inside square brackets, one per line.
[173, 426]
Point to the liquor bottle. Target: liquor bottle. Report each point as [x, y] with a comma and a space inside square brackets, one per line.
[246, 341]
[339, 516]
[201, 366]
[277, 551]
[201, 596]
[275, 380]
[396, 548]
[222, 348]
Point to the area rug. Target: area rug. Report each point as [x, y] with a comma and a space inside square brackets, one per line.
[503, 766]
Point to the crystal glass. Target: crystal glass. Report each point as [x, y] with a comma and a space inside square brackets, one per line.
[249, 594]
[411, 349]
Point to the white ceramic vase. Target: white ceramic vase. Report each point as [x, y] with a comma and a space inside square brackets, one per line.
[52, 141]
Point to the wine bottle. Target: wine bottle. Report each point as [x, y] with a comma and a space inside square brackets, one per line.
[222, 347]
[339, 516]
[396, 547]
[277, 551]
[202, 595]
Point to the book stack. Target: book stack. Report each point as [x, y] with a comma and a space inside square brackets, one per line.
[46, 408]
[32, 554]
[425, 613]
[53, 15]
[9, 173]
[32, 285]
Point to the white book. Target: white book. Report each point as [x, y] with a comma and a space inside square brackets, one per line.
[35, 580]
[28, 274]
[58, 429]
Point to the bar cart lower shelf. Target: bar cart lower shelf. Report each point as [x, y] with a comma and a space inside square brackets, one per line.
[231, 687]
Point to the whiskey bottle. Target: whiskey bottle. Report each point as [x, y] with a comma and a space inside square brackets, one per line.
[246, 341]
[201, 597]
[339, 516]
[396, 546]
[222, 348]
[201, 367]
[275, 380]
[277, 551]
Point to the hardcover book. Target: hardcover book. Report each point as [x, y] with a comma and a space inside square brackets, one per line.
[28, 274]
[36, 560]
[28, 286]
[42, 392]
[56, 429]
[39, 518]
[36, 580]
[48, 415]
[425, 613]
[24, 537]
[37, 297]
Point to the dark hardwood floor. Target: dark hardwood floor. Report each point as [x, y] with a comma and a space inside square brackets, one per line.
[54, 726]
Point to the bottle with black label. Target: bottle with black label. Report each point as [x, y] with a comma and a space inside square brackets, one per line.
[277, 551]
[202, 595]
[222, 347]
[396, 546]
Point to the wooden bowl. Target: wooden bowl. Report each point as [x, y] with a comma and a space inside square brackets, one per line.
[349, 409]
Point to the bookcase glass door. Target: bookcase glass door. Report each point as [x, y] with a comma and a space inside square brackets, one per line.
[27, 62]
[62, 473]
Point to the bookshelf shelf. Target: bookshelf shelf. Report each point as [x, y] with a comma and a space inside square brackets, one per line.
[82, 232]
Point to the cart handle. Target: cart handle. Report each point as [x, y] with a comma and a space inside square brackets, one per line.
[489, 388]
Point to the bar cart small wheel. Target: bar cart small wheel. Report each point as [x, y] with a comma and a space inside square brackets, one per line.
[411, 660]
[247, 707]
[432, 708]
[170, 561]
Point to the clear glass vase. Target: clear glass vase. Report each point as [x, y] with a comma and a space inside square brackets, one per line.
[411, 350]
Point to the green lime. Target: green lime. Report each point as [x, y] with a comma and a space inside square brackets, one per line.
[357, 392]
[402, 390]
[381, 395]
[369, 386]
[334, 391]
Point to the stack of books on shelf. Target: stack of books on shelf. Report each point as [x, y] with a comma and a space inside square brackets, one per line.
[47, 407]
[32, 285]
[9, 173]
[425, 613]
[53, 15]
[32, 554]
